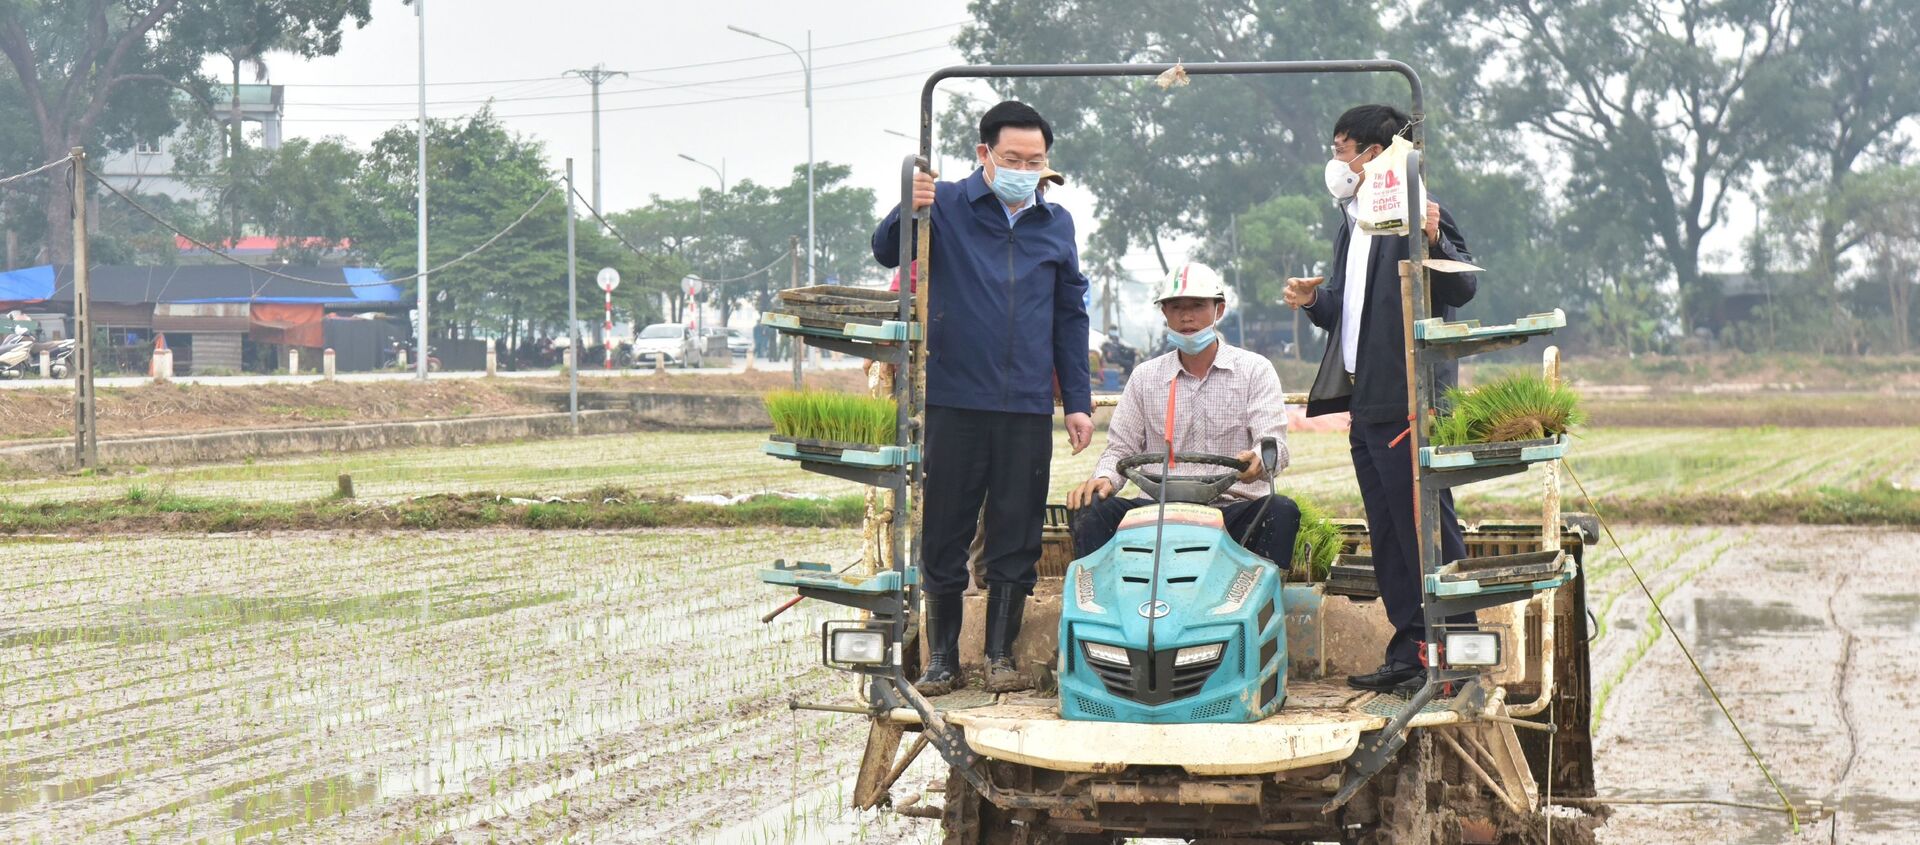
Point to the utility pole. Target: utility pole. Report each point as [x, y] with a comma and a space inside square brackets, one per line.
[573, 313]
[86, 440]
[420, 287]
[594, 76]
[799, 346]
[1240, 313]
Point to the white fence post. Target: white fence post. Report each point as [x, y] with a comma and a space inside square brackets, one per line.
[493, 359]
[326, 363]
[293, 360]
[162, 366]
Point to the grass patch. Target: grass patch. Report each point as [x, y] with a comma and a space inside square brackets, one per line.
[144, 509]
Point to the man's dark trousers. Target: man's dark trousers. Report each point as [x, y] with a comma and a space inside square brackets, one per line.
[993, 455]
[1096, 524]
[1385, 473]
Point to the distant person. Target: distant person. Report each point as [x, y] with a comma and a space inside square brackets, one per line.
[1006, 312]
[1364, 373]
[1229, 400]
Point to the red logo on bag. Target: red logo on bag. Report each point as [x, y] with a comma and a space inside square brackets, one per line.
[1391, 181]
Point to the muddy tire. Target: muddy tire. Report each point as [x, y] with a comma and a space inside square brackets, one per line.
[970, 819]
[1404, 797]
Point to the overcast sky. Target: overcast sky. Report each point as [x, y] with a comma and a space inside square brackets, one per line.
[743, 105]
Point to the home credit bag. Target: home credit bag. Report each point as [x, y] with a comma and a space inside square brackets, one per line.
[1380, 206]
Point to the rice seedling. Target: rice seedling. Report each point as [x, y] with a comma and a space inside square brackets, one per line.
[1518, 406]
[832, 416]
[1317, 542]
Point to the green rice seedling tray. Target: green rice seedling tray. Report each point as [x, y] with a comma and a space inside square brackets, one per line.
[1529, 572]
[863, 455]
[840, 328]
[1473, 455]
[1439, 331]
[822, 577]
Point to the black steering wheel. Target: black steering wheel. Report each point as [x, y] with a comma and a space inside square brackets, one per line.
[1144, 470]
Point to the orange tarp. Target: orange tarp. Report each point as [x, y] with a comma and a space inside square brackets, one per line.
[291, 324]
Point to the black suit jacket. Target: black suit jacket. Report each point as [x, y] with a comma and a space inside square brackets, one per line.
[1379, 389]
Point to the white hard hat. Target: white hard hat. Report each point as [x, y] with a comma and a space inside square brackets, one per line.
[1191, 279]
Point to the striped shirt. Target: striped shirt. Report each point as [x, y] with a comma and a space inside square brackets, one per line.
[1225, 412]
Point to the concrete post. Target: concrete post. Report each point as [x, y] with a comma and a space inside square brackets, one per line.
[659, 364]
[293, 360]
[566, 357]
[162, 366]
[326, 363]
[400, 358]
[493, 359]
[46, 364]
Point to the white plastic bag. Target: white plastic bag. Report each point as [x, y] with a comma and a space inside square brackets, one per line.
[1380, 206]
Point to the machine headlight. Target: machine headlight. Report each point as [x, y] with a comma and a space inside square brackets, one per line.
[1473, 648]
[857, 646]
[1197, 654]
[1106, 653]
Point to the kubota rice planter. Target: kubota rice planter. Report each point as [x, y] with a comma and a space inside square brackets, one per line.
[1193, 689]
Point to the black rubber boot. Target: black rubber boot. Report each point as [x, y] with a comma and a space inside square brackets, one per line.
[1005, 606]
[942, 675]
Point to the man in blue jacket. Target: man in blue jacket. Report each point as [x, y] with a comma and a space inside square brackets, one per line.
[1006, 315]
[1364, 372]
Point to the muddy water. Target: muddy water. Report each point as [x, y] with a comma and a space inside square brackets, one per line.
[1808, 635]
[534, 688]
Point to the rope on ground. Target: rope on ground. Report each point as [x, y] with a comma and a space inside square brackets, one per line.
[274, 274]
[36, 171]
[1793, 815]
[642, 253]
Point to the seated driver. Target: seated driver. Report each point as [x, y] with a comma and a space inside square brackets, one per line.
[1229, 401]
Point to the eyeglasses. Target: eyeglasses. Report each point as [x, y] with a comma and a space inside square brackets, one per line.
[1012, 163]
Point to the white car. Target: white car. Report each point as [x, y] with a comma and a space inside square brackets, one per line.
[671, 341]
[738, 344]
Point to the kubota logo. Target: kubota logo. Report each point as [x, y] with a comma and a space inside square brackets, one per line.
[1153, 609]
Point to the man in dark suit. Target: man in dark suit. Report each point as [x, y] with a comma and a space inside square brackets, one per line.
[1364, 373]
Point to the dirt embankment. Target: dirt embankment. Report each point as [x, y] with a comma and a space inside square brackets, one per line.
[198, 409]
[187, 408]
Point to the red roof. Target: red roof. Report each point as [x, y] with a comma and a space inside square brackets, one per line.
[260, 244]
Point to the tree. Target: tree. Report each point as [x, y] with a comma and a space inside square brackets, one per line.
[1167, 162]
[1663, 108]
[484, 177]
[244, 32]
[1850, 90]
[88, 68]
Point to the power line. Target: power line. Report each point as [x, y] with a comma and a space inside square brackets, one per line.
[647, 107]
[275, 274]
[643, 254]
[664, 86]
[36, 171]
[660, 69]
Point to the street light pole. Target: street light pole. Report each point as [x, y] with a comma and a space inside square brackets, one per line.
[420, 287]
[594, 76]
[806, 65]
[720, 272]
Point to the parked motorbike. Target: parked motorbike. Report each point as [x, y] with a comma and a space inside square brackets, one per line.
[16, 352]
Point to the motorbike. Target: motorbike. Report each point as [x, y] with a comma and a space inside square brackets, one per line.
[16, 353]
[59, 353]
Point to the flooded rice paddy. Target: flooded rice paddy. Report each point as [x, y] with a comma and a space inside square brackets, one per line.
[1620, 462]
[618, 687]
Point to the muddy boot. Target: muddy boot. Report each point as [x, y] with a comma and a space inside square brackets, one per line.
[1005, 605]
[942, 673]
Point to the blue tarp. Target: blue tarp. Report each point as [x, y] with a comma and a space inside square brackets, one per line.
[32, 284]
[344, 287]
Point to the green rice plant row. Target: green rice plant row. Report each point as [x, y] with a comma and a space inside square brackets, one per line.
[1317, 542]
[832, 416]
[1518, 406]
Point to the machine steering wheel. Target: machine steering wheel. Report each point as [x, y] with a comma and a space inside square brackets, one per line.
[1144, 470]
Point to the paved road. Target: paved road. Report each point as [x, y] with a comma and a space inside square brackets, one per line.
[839, 362]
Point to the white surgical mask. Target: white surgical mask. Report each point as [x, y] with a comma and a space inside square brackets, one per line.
[1342, 182]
